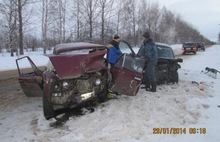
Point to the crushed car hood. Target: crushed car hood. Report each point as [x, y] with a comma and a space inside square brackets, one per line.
[73, 66]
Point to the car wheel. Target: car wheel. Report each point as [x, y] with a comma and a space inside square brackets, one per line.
[194, 53]
[183, 53]
[102, 96]
[47, 108]
[174, 77]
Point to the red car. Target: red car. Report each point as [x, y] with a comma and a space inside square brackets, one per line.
[79, 73]
[189, 47]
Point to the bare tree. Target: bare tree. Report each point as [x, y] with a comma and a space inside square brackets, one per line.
[92, 18]
[78, 14]
[20, 28]
[128, 17]
[62, 18]
[9, 11]
[167, 28]
[156, 13]
[142, 16]
[153, 15]
[57, 20]
[90, 8]
[44, 23]
[21, 21]
[106, 6]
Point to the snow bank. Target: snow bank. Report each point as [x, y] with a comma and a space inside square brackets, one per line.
[9, 63]
[177, 49]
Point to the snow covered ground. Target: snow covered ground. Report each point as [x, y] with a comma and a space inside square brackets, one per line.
[180, 110]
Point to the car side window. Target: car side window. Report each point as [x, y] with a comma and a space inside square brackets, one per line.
[131, 63]
[125, 48]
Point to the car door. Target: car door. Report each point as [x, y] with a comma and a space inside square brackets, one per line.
[30, 78]
[127, 73]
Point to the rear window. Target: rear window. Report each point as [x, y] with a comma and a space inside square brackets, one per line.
[189, 44]
[75, 52]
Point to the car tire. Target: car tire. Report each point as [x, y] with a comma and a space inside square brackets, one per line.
[102, 96]
[194, 53]
[47, 108]
[174, 77]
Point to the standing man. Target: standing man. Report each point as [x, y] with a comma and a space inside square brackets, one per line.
[149, 52]
[114, 51]
[113, 56]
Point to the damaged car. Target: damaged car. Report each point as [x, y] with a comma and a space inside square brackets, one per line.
[78, 73]
[167, 66]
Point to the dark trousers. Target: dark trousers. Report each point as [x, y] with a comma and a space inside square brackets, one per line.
[150, 76]
[150, 73]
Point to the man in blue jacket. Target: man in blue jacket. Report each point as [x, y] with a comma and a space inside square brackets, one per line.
[114, 51]
[113, 56]
[149, 52]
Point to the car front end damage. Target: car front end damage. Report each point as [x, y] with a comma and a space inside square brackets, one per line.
[167, 71]
[68, 93]
[167, 66]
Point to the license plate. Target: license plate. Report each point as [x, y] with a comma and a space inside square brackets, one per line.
[87, 95]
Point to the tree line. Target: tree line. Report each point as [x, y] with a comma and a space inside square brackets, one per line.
[28, 24]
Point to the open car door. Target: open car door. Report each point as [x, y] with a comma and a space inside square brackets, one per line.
[30, 78]
[127, 73]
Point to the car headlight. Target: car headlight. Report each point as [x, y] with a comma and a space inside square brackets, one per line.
[97, 82]
[174, 68]
[57, 87]
[65, 84]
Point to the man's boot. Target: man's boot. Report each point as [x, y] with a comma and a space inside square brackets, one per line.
[147, 86]
[154, 86]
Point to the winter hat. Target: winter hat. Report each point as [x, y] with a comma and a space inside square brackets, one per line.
[116, 36]
[146, 35]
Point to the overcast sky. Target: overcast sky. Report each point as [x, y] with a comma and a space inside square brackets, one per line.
[204, 15]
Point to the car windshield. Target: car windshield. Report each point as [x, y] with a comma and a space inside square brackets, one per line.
[164, 52]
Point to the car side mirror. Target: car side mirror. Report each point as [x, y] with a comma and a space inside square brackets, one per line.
[179, 60]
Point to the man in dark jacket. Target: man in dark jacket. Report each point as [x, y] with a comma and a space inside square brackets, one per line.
[149, 52]
[114, 51]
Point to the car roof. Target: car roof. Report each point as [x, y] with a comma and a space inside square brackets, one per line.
[65, 47]
[162, 44]
[189, 43]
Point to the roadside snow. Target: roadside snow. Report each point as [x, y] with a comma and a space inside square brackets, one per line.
[9, 63]
[192, 103]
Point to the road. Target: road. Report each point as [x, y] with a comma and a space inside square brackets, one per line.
[9, 82]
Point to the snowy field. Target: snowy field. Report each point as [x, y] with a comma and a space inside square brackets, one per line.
[175, 113]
